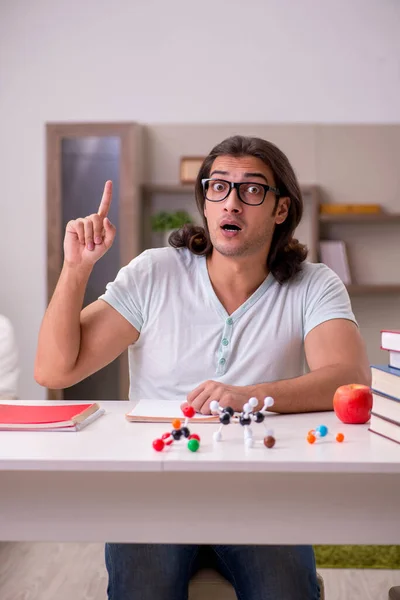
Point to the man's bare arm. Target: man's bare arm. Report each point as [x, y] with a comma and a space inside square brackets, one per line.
[336, 356]
[74, 343]
[73, 347]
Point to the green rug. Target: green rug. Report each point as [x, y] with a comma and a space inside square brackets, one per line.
[357, 557]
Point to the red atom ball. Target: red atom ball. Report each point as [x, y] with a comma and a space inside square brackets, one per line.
[158, 445]
[188, 411]
[194, 436]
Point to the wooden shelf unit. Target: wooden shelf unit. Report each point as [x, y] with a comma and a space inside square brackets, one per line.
[354, 289]
[383, 217]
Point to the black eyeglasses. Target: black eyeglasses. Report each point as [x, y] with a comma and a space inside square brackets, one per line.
[216, 190]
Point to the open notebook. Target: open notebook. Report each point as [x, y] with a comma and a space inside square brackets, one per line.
[161, 411]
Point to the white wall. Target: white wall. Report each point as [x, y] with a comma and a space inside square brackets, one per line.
[177, 61]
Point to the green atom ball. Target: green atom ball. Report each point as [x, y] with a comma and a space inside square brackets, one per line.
[193, 445]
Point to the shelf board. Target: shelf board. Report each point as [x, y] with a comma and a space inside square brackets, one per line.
[360, 218]
[363, 288]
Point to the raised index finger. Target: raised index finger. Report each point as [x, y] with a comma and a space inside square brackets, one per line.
[106, 200]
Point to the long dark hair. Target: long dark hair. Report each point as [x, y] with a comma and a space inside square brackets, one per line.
[286, 253]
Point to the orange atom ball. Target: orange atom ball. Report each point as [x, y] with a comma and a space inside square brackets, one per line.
[176, 424]
[340, 437]
[311, 438]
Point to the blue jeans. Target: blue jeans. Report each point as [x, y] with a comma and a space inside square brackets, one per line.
[162, 572]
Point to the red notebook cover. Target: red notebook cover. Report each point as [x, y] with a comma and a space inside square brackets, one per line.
[24, 414]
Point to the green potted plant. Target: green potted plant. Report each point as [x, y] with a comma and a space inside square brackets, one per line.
[166, 222]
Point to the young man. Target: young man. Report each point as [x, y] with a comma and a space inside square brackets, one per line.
[229, 312]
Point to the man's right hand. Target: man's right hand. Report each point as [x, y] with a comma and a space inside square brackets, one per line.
[86, 240]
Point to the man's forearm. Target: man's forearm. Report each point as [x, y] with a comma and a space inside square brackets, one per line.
[311, 392]
[60, 332]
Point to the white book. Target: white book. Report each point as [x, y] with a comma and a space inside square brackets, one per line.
[333, 254]
[385, 427]
[390, 340]
[386, 407]
[394, 359]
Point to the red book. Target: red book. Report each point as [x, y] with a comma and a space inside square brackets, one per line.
[390, 339]
[47, 416]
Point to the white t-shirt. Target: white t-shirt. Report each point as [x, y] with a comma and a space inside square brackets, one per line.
[187, 337]
[9, 370]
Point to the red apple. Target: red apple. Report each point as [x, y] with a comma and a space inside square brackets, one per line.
[352, 403]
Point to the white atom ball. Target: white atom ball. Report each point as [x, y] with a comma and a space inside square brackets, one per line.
[214, 406]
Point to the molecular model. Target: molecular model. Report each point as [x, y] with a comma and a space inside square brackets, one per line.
[178, 432]
[248, 416]
[320, 432]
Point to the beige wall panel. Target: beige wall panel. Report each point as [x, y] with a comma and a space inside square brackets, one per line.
[165, 144]
[359, 164]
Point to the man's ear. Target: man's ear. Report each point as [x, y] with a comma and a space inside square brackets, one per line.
[282, 210]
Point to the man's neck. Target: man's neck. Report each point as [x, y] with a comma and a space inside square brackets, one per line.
[235, 280]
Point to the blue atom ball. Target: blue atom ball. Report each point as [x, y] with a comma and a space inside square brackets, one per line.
[322, 430]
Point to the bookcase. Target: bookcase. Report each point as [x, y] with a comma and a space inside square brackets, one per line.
[313, 228]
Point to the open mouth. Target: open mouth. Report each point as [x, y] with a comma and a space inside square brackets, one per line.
[230, 230]
[230, 227]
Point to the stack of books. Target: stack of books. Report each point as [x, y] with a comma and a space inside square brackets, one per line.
[48, 417]
[385, 414]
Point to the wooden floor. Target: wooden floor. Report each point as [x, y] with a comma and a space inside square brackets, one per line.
[77, 572]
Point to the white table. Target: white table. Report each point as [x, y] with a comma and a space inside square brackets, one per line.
[106, 483]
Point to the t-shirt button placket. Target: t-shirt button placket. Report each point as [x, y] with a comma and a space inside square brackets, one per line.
[224, 344]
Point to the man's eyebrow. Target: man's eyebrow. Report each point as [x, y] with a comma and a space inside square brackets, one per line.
[244, 174]
[219, 173]
[255, 175]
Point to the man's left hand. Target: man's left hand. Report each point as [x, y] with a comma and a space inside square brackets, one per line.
[226, 395]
